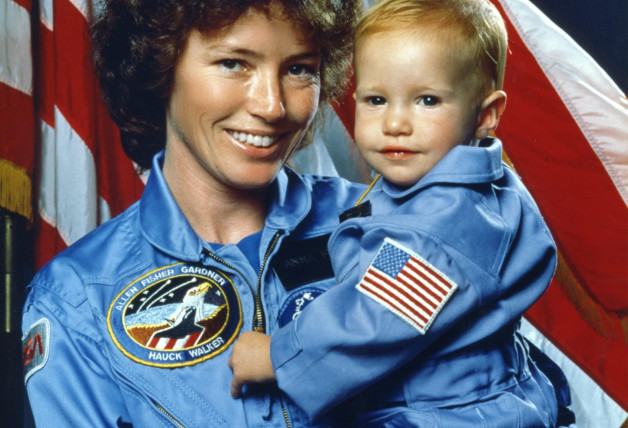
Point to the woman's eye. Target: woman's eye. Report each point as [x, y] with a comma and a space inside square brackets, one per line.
[231, 64]
[302, 70]
[428, 101]
[376, 101]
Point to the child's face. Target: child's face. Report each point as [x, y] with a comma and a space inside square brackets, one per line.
[415, 101]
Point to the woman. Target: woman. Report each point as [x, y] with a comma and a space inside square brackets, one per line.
[135, 321]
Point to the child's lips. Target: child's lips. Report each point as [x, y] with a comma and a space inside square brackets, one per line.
[393, 152]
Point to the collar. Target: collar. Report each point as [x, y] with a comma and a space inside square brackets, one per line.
[462, 165]
[166, 228]
[291, 200]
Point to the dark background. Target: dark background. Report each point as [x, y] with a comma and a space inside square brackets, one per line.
[600, 27]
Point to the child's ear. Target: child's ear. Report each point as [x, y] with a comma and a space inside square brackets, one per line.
[491, 110]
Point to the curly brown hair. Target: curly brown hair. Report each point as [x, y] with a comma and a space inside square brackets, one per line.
[136, 44]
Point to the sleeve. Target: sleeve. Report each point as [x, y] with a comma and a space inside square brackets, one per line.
[363, 329]
[67, 376]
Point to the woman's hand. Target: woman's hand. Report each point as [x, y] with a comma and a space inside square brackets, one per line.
[250, 361]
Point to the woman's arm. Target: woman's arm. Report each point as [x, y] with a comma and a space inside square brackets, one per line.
[68, 378]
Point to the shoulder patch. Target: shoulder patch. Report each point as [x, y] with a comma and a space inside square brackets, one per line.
[177, 315]
[296, 302]
[407, 285]
[35, 348]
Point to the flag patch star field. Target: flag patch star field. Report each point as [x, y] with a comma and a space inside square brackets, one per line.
[407, 285]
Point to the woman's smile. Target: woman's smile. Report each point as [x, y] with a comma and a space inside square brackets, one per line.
[257, 140]
[242, 98]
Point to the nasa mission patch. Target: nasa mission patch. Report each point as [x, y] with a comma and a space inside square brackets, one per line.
[296, 302]
[178, 315]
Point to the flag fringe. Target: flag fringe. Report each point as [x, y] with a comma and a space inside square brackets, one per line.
[15, 189]
[606, 323]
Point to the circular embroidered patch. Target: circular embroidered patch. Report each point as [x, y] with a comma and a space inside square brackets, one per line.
[295, 303]
[178, 315]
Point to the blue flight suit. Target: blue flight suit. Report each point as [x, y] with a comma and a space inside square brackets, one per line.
[133, 324]
[409, 357]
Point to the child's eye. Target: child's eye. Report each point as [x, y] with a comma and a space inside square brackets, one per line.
[428, 101]
[376, 101]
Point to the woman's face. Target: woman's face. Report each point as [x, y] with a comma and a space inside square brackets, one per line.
[242, 96]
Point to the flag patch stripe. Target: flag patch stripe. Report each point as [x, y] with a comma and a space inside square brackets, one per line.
[407, 285]
[431, 278]
[400, 310]
[430, 294]
[403, 300]
[378, 278]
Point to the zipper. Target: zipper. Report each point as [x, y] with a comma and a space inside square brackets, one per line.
[230, 266]
[178, 424]
[258, 318]
[131, 384]
[285, 413]
[168, 415]
[258, 322]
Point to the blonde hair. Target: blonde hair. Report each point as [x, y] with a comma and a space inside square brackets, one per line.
[476, 25]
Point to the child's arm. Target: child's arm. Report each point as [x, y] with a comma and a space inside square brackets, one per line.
[250, 361]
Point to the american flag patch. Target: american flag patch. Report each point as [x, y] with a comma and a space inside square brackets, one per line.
[407, 285]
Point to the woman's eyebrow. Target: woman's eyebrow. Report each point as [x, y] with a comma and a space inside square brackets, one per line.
[307, 55]
[234, 50]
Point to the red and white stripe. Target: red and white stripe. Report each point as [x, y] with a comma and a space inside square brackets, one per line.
[565, 130]
[17, 119]
[168, 343]
[85, 178]
[416, 294]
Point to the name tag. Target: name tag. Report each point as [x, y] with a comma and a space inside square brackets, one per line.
[302, 262]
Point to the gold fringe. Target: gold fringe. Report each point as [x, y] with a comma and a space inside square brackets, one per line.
[609, 324]
[15, 189]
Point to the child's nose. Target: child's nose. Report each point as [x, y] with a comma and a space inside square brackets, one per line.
[396, 122]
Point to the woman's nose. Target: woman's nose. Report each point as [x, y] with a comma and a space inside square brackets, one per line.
[266, 99]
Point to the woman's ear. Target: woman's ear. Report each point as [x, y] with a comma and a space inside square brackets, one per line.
[491, 110]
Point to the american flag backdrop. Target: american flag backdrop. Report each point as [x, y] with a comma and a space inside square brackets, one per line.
[565, 131]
